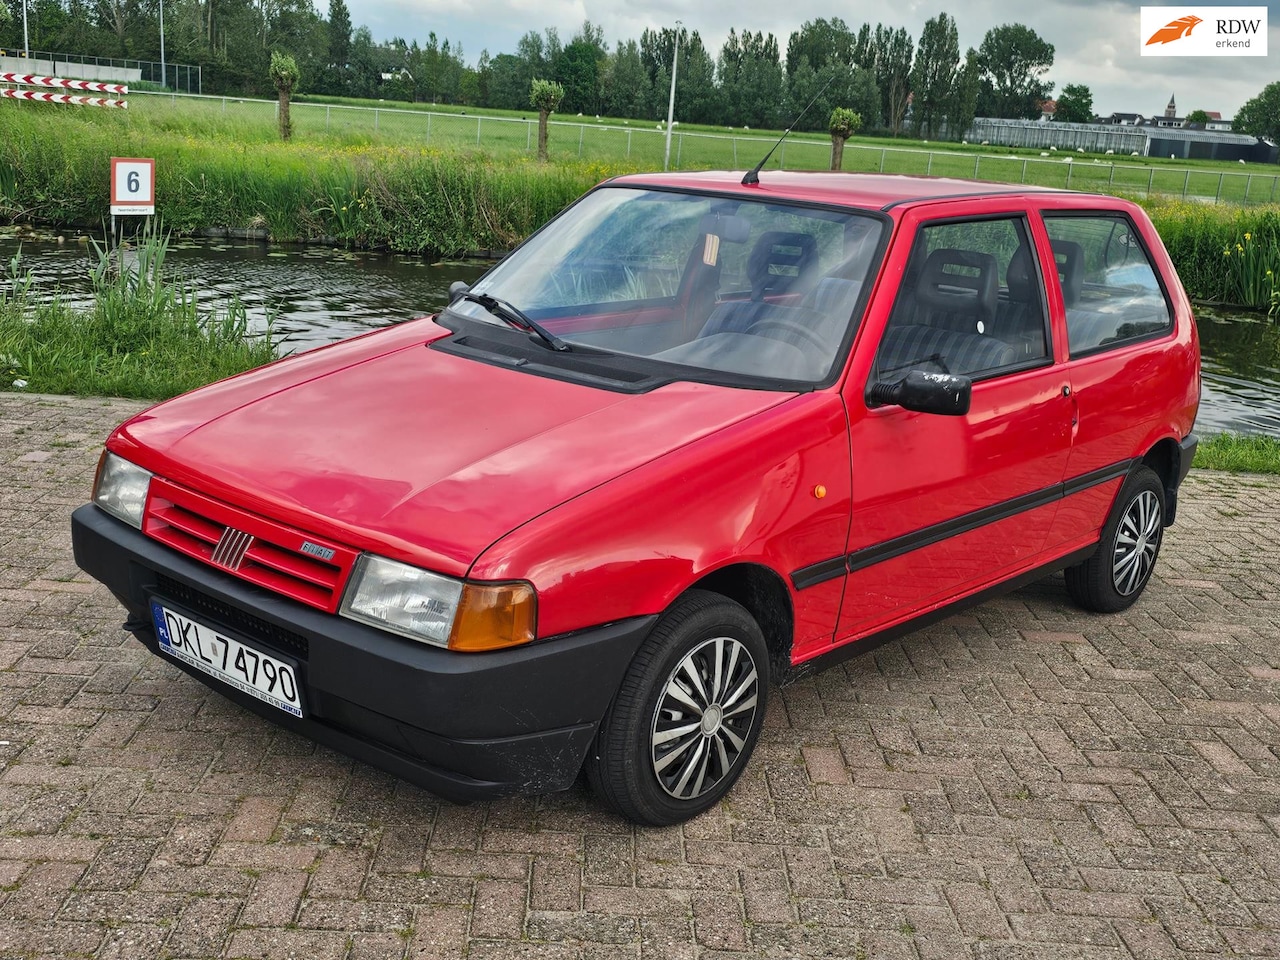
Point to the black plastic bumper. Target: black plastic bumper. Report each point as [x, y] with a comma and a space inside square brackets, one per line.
[464, 726]
[1186, 454]
[1187, 450]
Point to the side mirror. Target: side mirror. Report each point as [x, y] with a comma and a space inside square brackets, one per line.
[943, 393]
[457, 288]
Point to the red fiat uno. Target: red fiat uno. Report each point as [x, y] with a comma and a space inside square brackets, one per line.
[694, 437]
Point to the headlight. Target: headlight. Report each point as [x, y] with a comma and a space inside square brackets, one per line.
[121, 489]
[439, 610]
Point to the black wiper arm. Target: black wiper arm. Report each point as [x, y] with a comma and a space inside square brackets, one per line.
[515, 317]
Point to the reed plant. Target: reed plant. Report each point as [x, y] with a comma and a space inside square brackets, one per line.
[145, 336]
[1224, 254]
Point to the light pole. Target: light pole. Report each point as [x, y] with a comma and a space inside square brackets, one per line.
[163, 71]
[26, 44]
[671, 104]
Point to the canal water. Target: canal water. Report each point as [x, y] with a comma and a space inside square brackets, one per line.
[315, 295]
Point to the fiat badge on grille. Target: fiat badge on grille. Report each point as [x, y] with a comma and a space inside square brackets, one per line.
[324, 553]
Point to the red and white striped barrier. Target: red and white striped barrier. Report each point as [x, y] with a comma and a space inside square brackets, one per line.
[58, 83]
[62, 98]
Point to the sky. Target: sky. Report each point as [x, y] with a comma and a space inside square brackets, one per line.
[1096, 41]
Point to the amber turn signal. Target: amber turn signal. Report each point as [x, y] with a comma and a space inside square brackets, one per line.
[492, 616]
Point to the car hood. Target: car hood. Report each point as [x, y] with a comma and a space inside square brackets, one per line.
[389, 446]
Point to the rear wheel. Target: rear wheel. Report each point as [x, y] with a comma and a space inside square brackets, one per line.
[687, 715]
[1115, 576]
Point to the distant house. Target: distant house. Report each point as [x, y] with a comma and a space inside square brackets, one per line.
[1048, 109]
[1125, 119]
[1216, 122]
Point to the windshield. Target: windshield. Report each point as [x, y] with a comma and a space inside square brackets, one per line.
[718, 285]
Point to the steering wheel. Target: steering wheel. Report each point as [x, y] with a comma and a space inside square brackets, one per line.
[787, 326]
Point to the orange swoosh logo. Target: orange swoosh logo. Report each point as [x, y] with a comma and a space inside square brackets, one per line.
[1175, 30]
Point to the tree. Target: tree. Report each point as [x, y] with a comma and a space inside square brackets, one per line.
[891, 51]
[751, 79]
[339, 34]
[963, 104]
[819, 42]
[1075, 104]
[578, 71]
[934, 73]
[545, 95]
[284, 74]
[1014, 60]
[844, 123]
[120, 18]
[628, 89]
[1199, 117]
[505, 88]
[1260, 117]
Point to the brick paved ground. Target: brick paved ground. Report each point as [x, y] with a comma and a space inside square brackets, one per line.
[1023, 781]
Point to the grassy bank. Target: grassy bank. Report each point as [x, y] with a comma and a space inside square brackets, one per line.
[145, 337]
[54, 169]
[1239, 453]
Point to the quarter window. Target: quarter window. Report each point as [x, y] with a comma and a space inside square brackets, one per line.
[1108, 285]
[971, 303]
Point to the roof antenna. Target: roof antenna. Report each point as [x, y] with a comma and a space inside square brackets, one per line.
[753, 175]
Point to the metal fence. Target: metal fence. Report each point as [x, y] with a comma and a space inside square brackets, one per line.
[643, 145]
[182, 77]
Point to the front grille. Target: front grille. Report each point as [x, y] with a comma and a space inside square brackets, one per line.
[282, 559]
[234, 619]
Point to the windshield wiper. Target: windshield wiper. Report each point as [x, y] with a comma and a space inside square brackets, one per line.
[515, 317]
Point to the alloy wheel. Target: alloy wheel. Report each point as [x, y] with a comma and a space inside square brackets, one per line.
[703, 717]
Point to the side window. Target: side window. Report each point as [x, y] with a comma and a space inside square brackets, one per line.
[1108, 284]
[971, 303]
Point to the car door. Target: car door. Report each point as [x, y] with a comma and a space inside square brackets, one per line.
[945, 505]
[1124, 364]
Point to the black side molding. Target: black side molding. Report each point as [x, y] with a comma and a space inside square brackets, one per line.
[825, 570]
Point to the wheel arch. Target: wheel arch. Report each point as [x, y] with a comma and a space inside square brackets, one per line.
[765, 596]
[1165, 458]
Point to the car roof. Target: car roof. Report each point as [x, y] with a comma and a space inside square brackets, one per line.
[874, 191]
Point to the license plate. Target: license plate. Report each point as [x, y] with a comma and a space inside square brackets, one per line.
[247, 669]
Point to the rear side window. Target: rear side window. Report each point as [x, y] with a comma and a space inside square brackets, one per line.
[1108, 284]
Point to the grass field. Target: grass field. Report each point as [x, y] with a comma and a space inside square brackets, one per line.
[642, 145]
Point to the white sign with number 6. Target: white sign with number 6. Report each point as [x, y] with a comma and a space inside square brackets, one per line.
[133, 187]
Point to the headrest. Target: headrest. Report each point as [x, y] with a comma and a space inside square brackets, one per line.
[778, 260]
[1021, 277]
[1070, 260]
[959, 281]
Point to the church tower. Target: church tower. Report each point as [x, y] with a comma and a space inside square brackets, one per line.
[1172, 109]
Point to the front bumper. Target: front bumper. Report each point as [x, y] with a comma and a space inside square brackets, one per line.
[464, 726]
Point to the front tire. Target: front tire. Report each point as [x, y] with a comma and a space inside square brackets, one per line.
[687, 715]
[1114, 577]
